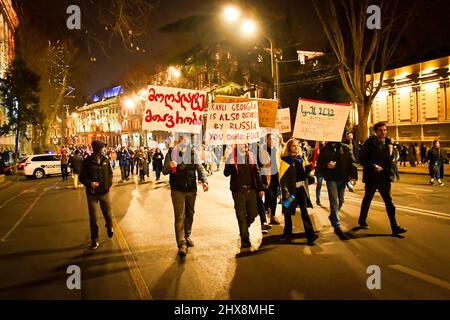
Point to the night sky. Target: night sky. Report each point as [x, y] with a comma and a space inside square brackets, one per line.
[427, 36]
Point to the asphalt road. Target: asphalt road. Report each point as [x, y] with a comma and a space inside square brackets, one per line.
[44, 228]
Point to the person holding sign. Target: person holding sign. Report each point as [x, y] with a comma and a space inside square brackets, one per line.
[337, 165]
[181, 164]
[245, 182]
[294, 169]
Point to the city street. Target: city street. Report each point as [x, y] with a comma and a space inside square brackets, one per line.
[44, 228]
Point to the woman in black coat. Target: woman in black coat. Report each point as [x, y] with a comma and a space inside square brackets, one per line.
[158, 158]
[436, 158]
[294, 172]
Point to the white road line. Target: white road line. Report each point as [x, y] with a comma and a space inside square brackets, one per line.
[18, 195]
[23, 217]
[422, 276]
[407, 209]
[417, 189]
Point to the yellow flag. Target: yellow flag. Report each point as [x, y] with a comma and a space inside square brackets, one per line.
[283, 168]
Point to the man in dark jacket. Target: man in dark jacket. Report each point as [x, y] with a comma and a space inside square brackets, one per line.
[182, 164]
[75, 162]
[96, 175]
[376, 158]
[245, 182]
[436, 159]
[337, 165]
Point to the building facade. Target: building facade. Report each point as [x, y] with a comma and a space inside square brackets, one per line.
[414, 101]
[8, 24]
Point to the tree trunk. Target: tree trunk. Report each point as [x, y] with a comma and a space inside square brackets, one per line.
[16, 147]
[363, 121]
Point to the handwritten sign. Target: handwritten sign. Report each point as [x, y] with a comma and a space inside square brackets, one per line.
[267, 108]
[174, 109]
[320, 121]
[230, 123]
[283, 123]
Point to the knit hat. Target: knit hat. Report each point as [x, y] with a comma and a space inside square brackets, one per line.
[97, 146]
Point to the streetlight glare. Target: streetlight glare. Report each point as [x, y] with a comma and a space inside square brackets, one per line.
[248, 26]
[129, 103]
[231, 14]
[175, 72]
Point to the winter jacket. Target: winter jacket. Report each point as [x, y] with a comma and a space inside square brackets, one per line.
[375, 152]
[295, 173]
[234, 170]
[183, 178]
[75, 163]
[94, 171]
[345, 169]
[436, 159]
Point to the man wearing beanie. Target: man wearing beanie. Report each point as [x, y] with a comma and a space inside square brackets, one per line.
[96, 175]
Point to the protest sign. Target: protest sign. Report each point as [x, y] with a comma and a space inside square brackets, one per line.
[267, 108]
[230, 123]
[320, 121]
[174, 109]
[283, 123]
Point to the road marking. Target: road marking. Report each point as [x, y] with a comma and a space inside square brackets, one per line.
[407, 209]
[18, 195]
[23, 216]
[422, 276]
[417, 189]
[135, 272]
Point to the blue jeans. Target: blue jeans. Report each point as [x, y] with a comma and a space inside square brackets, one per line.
[336, 192]
[318, 188]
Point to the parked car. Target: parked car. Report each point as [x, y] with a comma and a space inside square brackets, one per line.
[39, 165]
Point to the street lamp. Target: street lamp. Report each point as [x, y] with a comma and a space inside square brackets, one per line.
[231, 14]
[129, 103]
[249, 27]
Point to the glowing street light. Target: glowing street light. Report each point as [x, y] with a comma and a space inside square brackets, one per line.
[129, 103]
[175, 72]
[231, 14]
[248, 27]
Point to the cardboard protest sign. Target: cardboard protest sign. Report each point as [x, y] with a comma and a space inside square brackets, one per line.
[174, 109]
[283, 123]
[230, 123]
[267, 108]
[320, 121]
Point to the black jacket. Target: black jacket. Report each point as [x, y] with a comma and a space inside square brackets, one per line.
[75, 163]
[375, 152]
[184, 178]
[346, 168]
[288, 184]
[437, 158]
[93, 171]
[235, 180]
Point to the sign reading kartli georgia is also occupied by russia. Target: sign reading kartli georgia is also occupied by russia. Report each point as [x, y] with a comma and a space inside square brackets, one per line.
[174, 110]
[232, 123]
[320, 120]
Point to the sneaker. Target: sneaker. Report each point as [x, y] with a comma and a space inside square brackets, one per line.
[110, 232]
[363, 225]
[182, 250]
[189, 242]
[311, 241]
[245, 243]
[338, 231]
[432, 181]
[398, 230]
[94, 245]
[274, 221]
[440, 182]
[266, 227]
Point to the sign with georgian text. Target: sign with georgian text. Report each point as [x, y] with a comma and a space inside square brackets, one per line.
[320, 120]
[174, 109]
